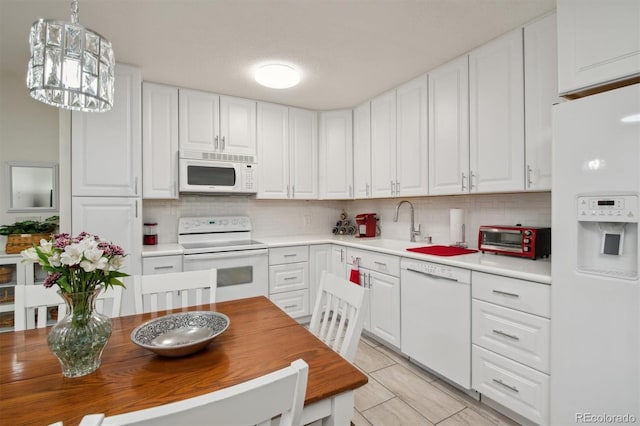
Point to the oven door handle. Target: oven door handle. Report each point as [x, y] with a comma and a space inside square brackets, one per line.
[225, 255]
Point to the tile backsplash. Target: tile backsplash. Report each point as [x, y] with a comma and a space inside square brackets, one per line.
[284, 217]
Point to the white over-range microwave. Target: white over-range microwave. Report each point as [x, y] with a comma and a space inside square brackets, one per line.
[205, 172]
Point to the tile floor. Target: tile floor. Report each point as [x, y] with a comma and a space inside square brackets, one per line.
[401, 393]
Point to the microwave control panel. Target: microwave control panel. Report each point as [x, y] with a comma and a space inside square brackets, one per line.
[618, 208]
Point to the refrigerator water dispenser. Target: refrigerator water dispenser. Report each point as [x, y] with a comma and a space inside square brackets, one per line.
[608, 235]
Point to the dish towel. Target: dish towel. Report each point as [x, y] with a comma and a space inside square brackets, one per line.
[354, 276]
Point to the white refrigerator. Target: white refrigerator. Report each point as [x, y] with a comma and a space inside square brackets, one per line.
[595, 292]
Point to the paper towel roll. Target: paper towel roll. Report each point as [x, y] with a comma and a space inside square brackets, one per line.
[456, 226]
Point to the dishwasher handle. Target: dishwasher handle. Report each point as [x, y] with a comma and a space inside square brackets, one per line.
[432, 275]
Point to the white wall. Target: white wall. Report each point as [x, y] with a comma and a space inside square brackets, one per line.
[282, 217]
[28, 132]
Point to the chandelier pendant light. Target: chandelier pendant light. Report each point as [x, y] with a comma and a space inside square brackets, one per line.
[71, 66]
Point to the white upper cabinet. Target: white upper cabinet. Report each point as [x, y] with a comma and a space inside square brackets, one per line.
[237, 126]
[303, 153]
[598, 43]
[199, 120]
[336, 154]
[223, 124]
[399, 141]
[449, 128]
[362, 150]
[273, 151]
[541, 92]
[411, 141]
[496, 94]
[107, 147]
[383, 145]
[159, 141]
[288, 152]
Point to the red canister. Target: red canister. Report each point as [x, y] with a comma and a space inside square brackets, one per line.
[150, 237]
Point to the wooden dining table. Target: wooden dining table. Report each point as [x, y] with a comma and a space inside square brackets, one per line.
[261, 338]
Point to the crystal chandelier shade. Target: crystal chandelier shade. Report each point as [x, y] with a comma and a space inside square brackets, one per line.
[71, 66]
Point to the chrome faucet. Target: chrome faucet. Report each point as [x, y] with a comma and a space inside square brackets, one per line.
[413, 231]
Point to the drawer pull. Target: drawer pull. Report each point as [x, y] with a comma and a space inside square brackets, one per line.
[505, 293]
[289, 278]
[290, 255]
[380, 263]
[510, 336]
[500, 382]
[290, 306]
[163, 267]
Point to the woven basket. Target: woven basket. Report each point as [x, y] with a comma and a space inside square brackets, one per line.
[18, 242]
[6, 274]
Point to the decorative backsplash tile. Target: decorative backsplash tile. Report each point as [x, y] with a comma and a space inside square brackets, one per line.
[316, 217]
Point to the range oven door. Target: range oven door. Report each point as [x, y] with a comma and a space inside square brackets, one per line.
[241, 273]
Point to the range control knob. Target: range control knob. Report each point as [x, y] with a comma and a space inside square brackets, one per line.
[526, 240]
[527, 232]
[526, 248]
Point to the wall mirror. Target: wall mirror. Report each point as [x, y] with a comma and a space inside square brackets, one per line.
[32, 186]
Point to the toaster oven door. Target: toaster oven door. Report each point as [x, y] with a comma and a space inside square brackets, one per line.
[505, 240]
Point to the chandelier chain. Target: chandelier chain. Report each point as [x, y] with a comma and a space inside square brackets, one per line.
[74, 11]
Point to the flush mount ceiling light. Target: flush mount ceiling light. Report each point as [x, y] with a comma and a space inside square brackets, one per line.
[277, 76]
[71, 66]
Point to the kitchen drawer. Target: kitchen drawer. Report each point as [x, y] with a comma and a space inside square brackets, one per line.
[527, 296]
[295, 303]
[385, 263]
[161, 265]
[291, 254]
[514, 334]
[288, 277]
[519, 388]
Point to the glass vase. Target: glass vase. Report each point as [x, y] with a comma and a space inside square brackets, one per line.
[79, 338]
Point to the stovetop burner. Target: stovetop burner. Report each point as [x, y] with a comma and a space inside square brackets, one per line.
[216, 234]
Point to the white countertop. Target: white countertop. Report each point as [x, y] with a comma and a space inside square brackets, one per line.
[526, 269]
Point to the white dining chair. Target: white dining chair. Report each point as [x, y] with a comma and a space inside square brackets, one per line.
[177, 285]
[38, 298]
[338, 315]
[254, 402]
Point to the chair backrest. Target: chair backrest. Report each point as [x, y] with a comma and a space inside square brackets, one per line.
[338, 315]
[254, 402]
[38, 298]
[168, 286]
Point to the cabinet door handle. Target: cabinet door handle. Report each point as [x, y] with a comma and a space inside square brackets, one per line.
[341, 255]
[505, 293]
[500, 382]
[293, 191]
[397, 187]
[136, 208]
[216, 143]
[471, 176]
[510, 336]
[222, 144]
[367, 190]
[163, 267]
[288, 191]
[393, 188]
[464, 187]
[529, 182]
[350, 190]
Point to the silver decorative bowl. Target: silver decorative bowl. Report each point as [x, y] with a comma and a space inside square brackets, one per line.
[180, 334]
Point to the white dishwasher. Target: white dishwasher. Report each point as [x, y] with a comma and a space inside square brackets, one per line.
[436, 318]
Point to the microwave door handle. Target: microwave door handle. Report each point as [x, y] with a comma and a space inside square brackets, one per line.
[225, 255]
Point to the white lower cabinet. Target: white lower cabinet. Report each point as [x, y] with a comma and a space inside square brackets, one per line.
[511, 343]
[289, 279]
[161, 264]
[381, 274]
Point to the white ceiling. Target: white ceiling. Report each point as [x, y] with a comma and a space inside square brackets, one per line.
[347, 50]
